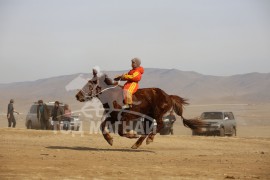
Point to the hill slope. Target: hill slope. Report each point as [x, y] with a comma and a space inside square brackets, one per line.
[198, 88]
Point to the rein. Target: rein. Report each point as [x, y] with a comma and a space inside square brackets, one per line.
[86, 96]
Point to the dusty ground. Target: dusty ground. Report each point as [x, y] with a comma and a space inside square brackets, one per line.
[33, 154]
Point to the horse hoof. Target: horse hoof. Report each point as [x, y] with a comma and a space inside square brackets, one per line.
[134, 146]
[148, 141]
[110, 141]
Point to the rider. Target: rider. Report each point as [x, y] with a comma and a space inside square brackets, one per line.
[132, 77]
[96, 71]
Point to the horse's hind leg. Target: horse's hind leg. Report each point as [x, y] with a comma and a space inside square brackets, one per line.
[151, 136]
[105, 132]
[139, 142]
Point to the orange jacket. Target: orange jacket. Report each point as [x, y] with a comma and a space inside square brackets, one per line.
[134, 75]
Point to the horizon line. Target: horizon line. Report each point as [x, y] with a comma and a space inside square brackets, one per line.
[57, 76]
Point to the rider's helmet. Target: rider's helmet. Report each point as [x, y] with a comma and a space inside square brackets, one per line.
[136, 61]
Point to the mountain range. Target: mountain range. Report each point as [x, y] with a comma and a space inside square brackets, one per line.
[197, 88]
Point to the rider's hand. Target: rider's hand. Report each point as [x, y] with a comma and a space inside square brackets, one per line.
[117, 78]
[123, 76]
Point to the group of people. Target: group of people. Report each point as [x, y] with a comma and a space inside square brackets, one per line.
[58, 114]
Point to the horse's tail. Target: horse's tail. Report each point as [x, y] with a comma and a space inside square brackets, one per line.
[194, 124]
[178, 104]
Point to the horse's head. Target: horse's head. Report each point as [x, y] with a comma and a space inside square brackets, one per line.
[93, 88]
[90, 90]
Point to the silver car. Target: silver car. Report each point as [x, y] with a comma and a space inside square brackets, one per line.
[217, 123]
[32, 121]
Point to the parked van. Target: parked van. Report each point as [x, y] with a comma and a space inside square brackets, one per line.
[32, 121]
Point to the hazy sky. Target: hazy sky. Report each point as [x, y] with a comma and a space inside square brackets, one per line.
[45, 38]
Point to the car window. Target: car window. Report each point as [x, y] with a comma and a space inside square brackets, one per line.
[230, 115]
[212, 115]
[33, 109]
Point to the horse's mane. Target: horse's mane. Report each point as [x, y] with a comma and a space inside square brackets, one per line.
[108, 80]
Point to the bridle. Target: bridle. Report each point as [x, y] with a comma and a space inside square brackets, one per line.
[96, 90]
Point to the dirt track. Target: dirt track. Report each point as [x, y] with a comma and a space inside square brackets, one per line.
[32, 154]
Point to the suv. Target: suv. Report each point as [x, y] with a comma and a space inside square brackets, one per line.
[167, 126]
[217, 123]
[33, 123]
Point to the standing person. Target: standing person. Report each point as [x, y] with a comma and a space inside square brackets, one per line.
[131, 86]
[172, 119]
[10, 114]
[57, 114]
[67, 117]
[43, 115]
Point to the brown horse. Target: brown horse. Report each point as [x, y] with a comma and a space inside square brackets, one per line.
[149, 103]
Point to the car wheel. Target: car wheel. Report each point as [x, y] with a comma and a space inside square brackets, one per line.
[222, 132]
[233, 132]
[29, 125]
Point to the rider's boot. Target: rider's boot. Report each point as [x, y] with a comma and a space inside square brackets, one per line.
[127, 106]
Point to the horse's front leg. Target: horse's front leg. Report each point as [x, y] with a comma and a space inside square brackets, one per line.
[150, 128]
[146, 132]
[105, 132]
[139, 142]
[156, 130]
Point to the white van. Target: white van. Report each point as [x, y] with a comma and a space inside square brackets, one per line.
[33, 123]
